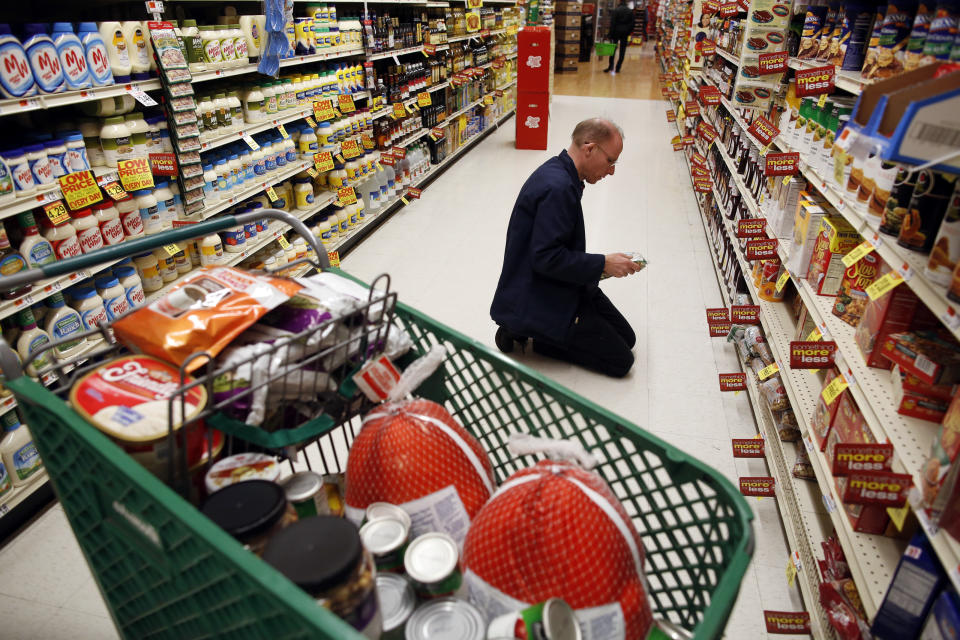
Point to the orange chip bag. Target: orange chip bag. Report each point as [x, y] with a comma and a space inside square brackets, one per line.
[205, 312]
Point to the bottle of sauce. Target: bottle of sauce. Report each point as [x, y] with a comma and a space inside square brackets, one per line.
[149, 211]
[113, 296]
[63, 239]
[211, 250]
[17, 450]
[11, 262]
[108, 219]
[90, 307]
[88, 231]
[32, 339]
[132, 286]
[167, 265]
[63, 323]
[149, 269]
[130, 218]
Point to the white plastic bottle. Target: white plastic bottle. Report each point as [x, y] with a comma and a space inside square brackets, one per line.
[95, 51]
[63, 238]
[31, 339]
[224, 113]
[136, 37]
[18, 452]
[212, 57]
[90, 130]
[139, 132]
[235, 107]
[113, 295]
[73, 60]
[75, 157]
[182, 259]
[133, 288]
[166, 264]
[253, 109]
[56, 151]
[39, 164]
[63, 323]
[115, 140]
[44, 61]
[148, 268]
[166, 204]
[130, 218]
[252, 34]
[234, 240]
[34, 248]
[211, 250]
[16, 78]
[118, 50]
[149, 211]
[108, 219]
[90, 307]
[240, 49]
[88, 231]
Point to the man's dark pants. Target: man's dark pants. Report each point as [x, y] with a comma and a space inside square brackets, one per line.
[622, 43]
[600, 340]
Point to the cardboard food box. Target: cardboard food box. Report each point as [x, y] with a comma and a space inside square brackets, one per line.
[848, 426]
[567, 49]
[806, 225]
[932, 357]
[943, 623]
[890, 313]
[567, 20]
[912, 592]
[852, 295]
[866, 518]
[943, 452]
[917, 399]
[823, 414]
[835, 239]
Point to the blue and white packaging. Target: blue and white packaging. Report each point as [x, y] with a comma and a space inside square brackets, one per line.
[16, 79]
[95, 51]
[943, 623]
[43, 58]
[911, 593]
[73, 59]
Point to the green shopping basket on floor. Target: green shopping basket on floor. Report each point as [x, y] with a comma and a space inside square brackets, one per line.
[166, 571]
[605, 48]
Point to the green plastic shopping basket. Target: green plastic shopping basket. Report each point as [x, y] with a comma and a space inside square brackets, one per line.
[605, 48]
[166, 571]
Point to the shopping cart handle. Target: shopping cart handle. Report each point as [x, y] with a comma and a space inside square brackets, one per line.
[149, 243]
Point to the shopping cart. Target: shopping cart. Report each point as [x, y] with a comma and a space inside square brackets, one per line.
[166, 571]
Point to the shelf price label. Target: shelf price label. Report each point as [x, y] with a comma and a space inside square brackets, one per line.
[833, 390]
[702, 185]
[313, 173]
[857, 254]
[728, 9]
[283, 131]
[782, 164]
[782, 281]
[251, 142]
[813, 82]
[707, 132]
[346, 103]
[787, 622]
[708, 48]
[884, 284]
[323, 110]
[678, 144]
[698, 158]
[323, 161]
[768, 371]
[350, 149]
[854, 457]
[671, 115]
[311, 122]
[775, 62]
[412, 194]
[733, 381]
[898, 516]
[334, 258]
[812, 354]
[688, 141]
[761, 249]
[135, 174]
[172, 249]
[759, 486]
[56, 212]
[719, 330]
[814, 335]
[692, 108]
[272, 195]
[367, 141]
[429, 49]
[423, 99]
[763, 130]
[283, 242]
[747, 447]
[752, 228]
[883, 488]
[745, 314]
[346, 196]
[81, 189]
[718, 315]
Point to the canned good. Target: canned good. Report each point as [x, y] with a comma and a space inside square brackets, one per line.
[446, 619]
[432, 561]
[242, 467]
[397, 603]
[386, 539]
[252, 512]
[550, 620]
[377, 510]
[312, 495]
[666, 630]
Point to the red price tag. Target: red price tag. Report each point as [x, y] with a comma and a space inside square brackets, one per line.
[775, 62]
[781, 164]
[761, 249]
[763, 130]
[813, 82]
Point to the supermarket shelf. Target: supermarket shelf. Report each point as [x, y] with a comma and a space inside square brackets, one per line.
[851, 82]
[507, 85]
[397, 52]
[413, 137]
[726, 55]
[276, 178]
[333, 54]
[51, 100]
[46, 288]
[22, 493]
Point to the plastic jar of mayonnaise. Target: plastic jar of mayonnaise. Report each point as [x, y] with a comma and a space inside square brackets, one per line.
[234, 240]
[20, 170]
[211, 250]
[90, 307]
[303, 193]
[149, 211]
[113, 295]
[182, 259]
[166, 203]
[149, 269]
[130, 218]
[300, 247]
[63, 238]
[132, 286]
[167, 265]
[108, 218]
[115, 140]
[88, 231]
[39, 164]
[75, 158]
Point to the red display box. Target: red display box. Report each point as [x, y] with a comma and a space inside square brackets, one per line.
[533, 110]
[533, 59]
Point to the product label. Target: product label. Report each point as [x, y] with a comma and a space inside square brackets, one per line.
[132, 223]
[787, 622]
[15, 73]
[40, 254]
[93, 318]
[812, 355]
[42, 172]
[80, 189]
[875, 487]
[151, 217]
[66, 327]
[23, 177]
[757, 486]
[99, 62]
[733, 381]
[752, 228]
[135, 296]
[12, 263]
[90, 239]
[768, 371]
[116, 307]
[6, 484]
[763, 130]
[46, 66]
[718, 315]
[26, 461]
[66, 248]
[745, 314]
[748, 447]
[323, 110]
[775, 62]
[74, 64]
[350, 150]
[761, 249]
[856, 457]
[345, 102]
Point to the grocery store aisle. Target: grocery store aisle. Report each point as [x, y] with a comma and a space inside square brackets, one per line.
[444, 254]
[636, 79]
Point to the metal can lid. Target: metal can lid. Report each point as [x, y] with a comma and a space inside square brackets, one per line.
[446, 619]
[384, 535]
[377, 510]
[397, 600]
[559, 620]
[302, 486]
[431, 557]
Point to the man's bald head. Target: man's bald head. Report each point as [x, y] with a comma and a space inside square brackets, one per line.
[597, 130]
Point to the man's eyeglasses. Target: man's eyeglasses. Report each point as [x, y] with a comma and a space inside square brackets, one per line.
[610, 161]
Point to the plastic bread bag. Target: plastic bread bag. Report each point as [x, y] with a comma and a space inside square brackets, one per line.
[773, 392]
[758, 344]
[358, 292]
[844, 614]
[313, 306]
[757, 365]
[802, 468]
[204, 313]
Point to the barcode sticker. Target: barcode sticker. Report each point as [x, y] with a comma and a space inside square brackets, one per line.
[284, 244]
[925, 364]
[141, 96]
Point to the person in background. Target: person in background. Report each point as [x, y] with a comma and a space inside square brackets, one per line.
[621, 26]
[548, 285]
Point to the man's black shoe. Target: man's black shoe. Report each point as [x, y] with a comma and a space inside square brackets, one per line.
[503, 340]
[607, 70]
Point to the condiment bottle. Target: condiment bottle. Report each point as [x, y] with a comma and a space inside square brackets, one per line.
[11, 262]
[211, 250]
[108, 219]
[88, 231]
[132, 286]
[63, 239]
[113, 295]
[63, 323]
[167, 265]
[130, 217]
[149, 211]
[149, 269]
[90, 306]
[17, 450]
[32, 339]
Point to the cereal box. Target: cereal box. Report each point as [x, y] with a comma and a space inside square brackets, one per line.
[806, 224]
[835, 239]
[890, 313]
[852, 295]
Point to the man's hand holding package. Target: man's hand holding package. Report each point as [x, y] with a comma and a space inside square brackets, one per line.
[619, 265]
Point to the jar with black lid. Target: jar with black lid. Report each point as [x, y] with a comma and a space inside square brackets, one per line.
[325, 557]
[252, 511]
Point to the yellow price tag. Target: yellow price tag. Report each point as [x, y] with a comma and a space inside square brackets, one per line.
[311, 122]
[282, 241]
[898, 515]
[884, 284]
[423, 99]
[858, 252]
[57, 212]
[766, 372]
[791, 572]
[346, 196]
[323, 161]
[822, 101]
[172, 249]
[313, 173]
[782, 281]
[339, 158]
[814, 335]
[399, 111]
[334, 258]
[766, 149]
[283, 131]
[404, 200]
[833, 390]
[787, 179]
[272, 195]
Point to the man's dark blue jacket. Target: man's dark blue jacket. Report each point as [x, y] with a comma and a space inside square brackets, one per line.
[545, 267]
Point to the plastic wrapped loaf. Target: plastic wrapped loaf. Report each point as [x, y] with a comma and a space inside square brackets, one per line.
[414, 454]
[557, 530]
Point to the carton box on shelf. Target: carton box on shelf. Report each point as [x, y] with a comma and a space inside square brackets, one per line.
[943, 453]
[567, 20]
[852, 295]
[835, 239]
[781, 218]
[867, 518]
[917, 399]
[568, 49]
[932, 357]
[823, 414]
[911, 594]
[849, 425]
[943, 623]
[806, 224]
[566, 64]
[890, 313]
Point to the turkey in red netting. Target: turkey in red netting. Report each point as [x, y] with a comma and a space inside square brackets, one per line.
[415, 455]
[557, 530]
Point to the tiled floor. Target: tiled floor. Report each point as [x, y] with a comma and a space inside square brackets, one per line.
[444, 254]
